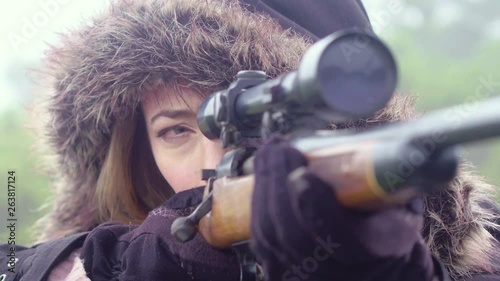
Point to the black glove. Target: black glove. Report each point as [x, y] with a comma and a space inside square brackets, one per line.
[300, 232]
[114, 251]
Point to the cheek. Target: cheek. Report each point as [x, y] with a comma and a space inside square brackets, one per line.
[180, 170]
[181, 175]
[181, 166]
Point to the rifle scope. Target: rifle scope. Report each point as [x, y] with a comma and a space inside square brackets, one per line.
[347, 75]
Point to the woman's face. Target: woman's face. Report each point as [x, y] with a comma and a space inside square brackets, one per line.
[179, 148]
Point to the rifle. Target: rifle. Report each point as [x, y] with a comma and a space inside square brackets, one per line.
[346, 76]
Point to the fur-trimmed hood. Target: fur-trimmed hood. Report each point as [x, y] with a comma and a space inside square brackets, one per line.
[97, 74]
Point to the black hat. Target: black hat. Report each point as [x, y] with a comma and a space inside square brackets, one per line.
[314, 18]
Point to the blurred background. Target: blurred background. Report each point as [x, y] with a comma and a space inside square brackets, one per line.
[447, 51]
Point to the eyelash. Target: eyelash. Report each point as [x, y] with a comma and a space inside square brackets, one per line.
[162, 132]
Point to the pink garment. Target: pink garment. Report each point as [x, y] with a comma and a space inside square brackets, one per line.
[70, 269]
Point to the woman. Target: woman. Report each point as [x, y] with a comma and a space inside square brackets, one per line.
[123, 134]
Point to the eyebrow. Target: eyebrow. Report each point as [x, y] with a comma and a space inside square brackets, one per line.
[173, 114]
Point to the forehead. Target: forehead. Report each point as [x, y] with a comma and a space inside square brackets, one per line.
[162, 97]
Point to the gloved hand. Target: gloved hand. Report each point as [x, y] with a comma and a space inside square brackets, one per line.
[300, 232]
[115, 251]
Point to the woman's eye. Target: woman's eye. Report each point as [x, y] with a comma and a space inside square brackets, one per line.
[174, 133]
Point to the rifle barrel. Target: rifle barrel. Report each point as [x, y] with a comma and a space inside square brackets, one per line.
[446, 127]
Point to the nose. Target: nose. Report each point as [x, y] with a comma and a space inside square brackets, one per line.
[213, 153]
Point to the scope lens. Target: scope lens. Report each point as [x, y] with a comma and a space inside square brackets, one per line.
[357, 74]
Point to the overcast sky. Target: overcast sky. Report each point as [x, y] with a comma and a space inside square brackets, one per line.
[26, 27]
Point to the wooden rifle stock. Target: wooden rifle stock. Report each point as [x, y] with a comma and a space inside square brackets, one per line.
[228, 221]
[348, 169]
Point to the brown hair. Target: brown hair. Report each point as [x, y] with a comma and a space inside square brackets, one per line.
[130, 184]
